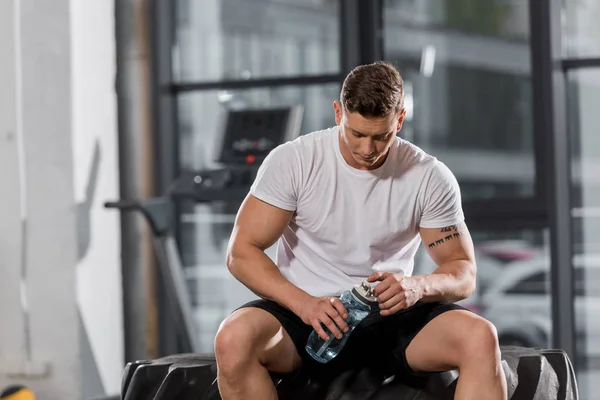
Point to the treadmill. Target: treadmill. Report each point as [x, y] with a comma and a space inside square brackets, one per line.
[248, 136]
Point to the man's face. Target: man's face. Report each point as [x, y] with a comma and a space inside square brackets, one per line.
[366, 141]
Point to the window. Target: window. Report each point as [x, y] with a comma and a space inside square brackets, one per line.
[536, 284]
[501, 255]
[200, 113]
[205, 228]
[507, 19]
[584, 120]
[244, 39]
[582, 30]
[466, 66]
[587, 281]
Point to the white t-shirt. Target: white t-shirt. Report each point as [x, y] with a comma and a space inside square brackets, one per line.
[347, 220]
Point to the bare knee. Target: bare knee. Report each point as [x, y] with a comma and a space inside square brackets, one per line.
[234, 346]
[481, 342]
[252, 337]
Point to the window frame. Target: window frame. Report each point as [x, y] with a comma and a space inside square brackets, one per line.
[361, 41]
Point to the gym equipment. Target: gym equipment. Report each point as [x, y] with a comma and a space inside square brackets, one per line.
[248, 136]
[532, 374]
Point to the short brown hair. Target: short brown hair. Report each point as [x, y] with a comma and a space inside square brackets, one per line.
[373, 90]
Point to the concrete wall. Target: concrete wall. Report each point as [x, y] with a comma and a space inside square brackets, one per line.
[96, 180]
[60, 298]
[40, 333]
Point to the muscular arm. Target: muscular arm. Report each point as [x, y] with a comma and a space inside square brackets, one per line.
[451, 248]
[257, 227]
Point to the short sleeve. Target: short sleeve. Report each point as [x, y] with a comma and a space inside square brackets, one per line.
[277, 179]
[442, 202]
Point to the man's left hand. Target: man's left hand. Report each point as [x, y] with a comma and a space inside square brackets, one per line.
[395, 292]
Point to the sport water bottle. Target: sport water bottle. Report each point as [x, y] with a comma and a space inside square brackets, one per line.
[358, 302]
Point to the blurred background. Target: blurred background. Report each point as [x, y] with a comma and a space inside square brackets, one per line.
[176, 102]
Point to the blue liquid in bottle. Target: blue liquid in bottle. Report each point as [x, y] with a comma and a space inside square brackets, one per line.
[358, 303]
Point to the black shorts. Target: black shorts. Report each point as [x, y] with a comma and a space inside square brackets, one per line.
[378, 342]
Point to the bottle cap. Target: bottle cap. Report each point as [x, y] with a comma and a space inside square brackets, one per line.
[364, 292]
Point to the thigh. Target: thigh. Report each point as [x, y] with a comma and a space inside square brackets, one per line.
[384, 340]
[258, 333]
[444, 342]
[285, 348]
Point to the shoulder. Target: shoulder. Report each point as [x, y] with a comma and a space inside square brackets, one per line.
[302, 151]
[282, 155]
[313, 141]
[430, 170]
[412, 157]
[309, 149]
[441, 172]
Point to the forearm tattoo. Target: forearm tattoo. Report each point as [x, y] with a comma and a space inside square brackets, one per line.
[453, 231]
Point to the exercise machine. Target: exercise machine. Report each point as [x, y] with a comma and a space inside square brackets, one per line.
[248, 136]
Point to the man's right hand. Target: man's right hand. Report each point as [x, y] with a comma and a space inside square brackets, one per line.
[328, 311]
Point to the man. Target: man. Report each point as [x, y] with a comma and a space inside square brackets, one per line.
[342, 202]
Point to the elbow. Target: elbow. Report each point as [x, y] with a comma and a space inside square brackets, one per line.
[231, 260]
[233, 264]
[237, 256]
[470, 280]
[466, 280]
[471, 287]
